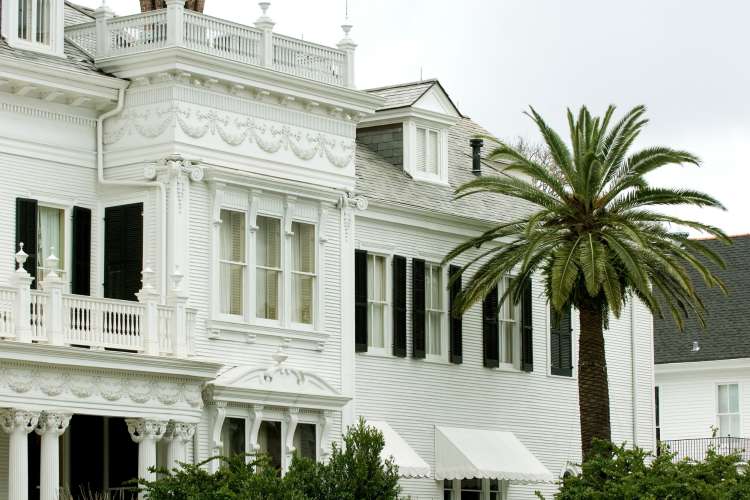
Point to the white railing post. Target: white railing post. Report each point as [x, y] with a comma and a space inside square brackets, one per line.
[178, 300]
[265, 24]
[22, 282]
[348, 46]
[150, 324]
[175, 22]
[54, 285]
[102, 15]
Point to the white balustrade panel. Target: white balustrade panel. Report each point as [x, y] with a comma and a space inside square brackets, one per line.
[222, 38]
[84, 36]
[103, 323]
[138, 33]
[165, 327]
[7, 308]
[190, 320]
[38, 321]
[309, 60]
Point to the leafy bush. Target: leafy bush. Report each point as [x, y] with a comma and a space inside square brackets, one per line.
[355, 472]
[614, 472]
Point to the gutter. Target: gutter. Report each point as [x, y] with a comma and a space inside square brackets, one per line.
[634, 379]
[122, 183]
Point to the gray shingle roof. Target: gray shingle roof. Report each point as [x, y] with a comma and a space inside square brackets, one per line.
[727, 335]
[74, 60]
[77, 14]
[406, 94]
[381, 181]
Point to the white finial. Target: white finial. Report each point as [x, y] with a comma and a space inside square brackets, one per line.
[347, 27]
[264, 7]
[177, 278]
[21, 257]
[264, 22]
[52, 263]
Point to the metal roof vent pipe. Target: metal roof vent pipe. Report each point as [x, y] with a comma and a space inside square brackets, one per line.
[476, 156]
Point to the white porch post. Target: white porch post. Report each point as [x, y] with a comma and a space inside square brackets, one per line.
[175, 22]
[55, 286]
[146, 433]
[18, 423]
[102, 15]
[51, 427]
[21, 281]
[150, 326]
[348, 46]
[265, 24]
[178, 435]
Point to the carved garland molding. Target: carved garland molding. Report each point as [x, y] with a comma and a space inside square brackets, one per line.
[138, 390]
[151, 123]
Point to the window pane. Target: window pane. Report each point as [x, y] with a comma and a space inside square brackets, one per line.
[377, 325]
[42, 21]
[302, 298]
[734, 398]
[432, 152]
[723, 399]
[494, 485]
[233, 436]
[434, 332]
[232, 268]
[267, 255]
[233, 236]
[50, 238]
[303, 247]
[421, 149]
[269, 440]
[24, 19]
[305, 441]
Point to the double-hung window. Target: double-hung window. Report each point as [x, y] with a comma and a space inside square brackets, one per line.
[232, 263]
[50, 239]
[34, 21]
[377, 301]
[471, 489]
[427, 151]
[268, 268]
[303, 273]
[509, 315]
[728, 410]
[434, 310]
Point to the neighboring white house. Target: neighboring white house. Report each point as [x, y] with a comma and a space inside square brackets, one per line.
[703, 376]
[229, 248]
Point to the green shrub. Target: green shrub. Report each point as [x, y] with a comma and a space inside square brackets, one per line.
[355, 472]
[614, 472]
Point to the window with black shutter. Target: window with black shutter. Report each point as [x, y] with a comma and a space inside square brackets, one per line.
[491, 330]
[418, 308]
[456, 322]
[26, 233]
[360, 301]
[123, 251]
[399, 306]
[80, 282]
[561, 347]
[527, 329]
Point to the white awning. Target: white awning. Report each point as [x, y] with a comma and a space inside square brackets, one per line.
[468, 453]
[409, 463]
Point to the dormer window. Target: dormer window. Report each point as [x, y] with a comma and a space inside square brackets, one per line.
[427, 151]
[34, 25]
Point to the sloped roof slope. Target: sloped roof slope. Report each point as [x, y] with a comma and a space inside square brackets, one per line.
[75, 59]
[77, 14]
[727, 335]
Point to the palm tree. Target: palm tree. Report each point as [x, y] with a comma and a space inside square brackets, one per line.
[595, 237]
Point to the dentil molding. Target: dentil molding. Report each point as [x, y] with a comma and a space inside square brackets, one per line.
[233, 129]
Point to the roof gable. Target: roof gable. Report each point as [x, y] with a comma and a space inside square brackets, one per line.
[435, 99]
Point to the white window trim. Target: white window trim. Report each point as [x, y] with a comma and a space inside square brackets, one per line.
[67, 249]
[716, 403]
[252, 281]
[573, 343]
[485, 494]
[56, 32]
[515, 366]
[443, 357]
[387, 349]
[246, 273]
[410, 151]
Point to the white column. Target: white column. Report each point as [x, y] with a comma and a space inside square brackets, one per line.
[18, 423]
[348, 46]
[178, 435]
[51, 427]
[21, 281]
[102, 15]
[175, 22]
[146, 433]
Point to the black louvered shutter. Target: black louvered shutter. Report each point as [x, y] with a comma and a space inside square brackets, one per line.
[123, 251]
[26, 233]
[360, 301]
[527, 329]
[491, 330]
[561, 348]
[456, 322]
[418, 308]
[399, 306]
[80, 283]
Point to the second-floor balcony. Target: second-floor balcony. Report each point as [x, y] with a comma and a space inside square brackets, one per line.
[697, 449]
[50, 316]
[175, 26]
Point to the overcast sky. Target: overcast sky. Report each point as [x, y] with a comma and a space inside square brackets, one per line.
[686, 60]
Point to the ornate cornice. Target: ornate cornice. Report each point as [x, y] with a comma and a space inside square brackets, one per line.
[45, 114]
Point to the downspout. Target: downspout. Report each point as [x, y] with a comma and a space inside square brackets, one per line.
[146, 184]
[634, 380]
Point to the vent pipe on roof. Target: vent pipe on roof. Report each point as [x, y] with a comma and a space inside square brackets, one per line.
[476, 156]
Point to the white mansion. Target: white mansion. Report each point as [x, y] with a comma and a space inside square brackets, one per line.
[213, 243]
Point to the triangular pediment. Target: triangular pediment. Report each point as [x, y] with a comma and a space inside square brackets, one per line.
[437, 100]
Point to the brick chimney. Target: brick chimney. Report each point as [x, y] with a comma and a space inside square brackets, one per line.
[196, 5]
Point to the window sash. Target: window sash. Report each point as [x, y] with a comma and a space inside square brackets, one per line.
[268, 268]
[232, 262]
[728, 410]
[509, 315]
[34, 21]
[434, 310]
[50, 239]
[303, 273]
[377, 300]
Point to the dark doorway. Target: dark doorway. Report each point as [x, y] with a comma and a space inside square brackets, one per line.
[123, 251]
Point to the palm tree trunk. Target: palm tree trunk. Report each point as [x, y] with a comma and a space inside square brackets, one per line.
[593, 387]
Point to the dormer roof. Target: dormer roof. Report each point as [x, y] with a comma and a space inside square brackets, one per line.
[425, 94]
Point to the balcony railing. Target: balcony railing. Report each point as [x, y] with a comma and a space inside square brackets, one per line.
[56, 318]
[176, 27]
[697, 449]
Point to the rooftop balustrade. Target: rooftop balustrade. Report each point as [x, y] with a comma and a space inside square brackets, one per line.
[175, 26]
